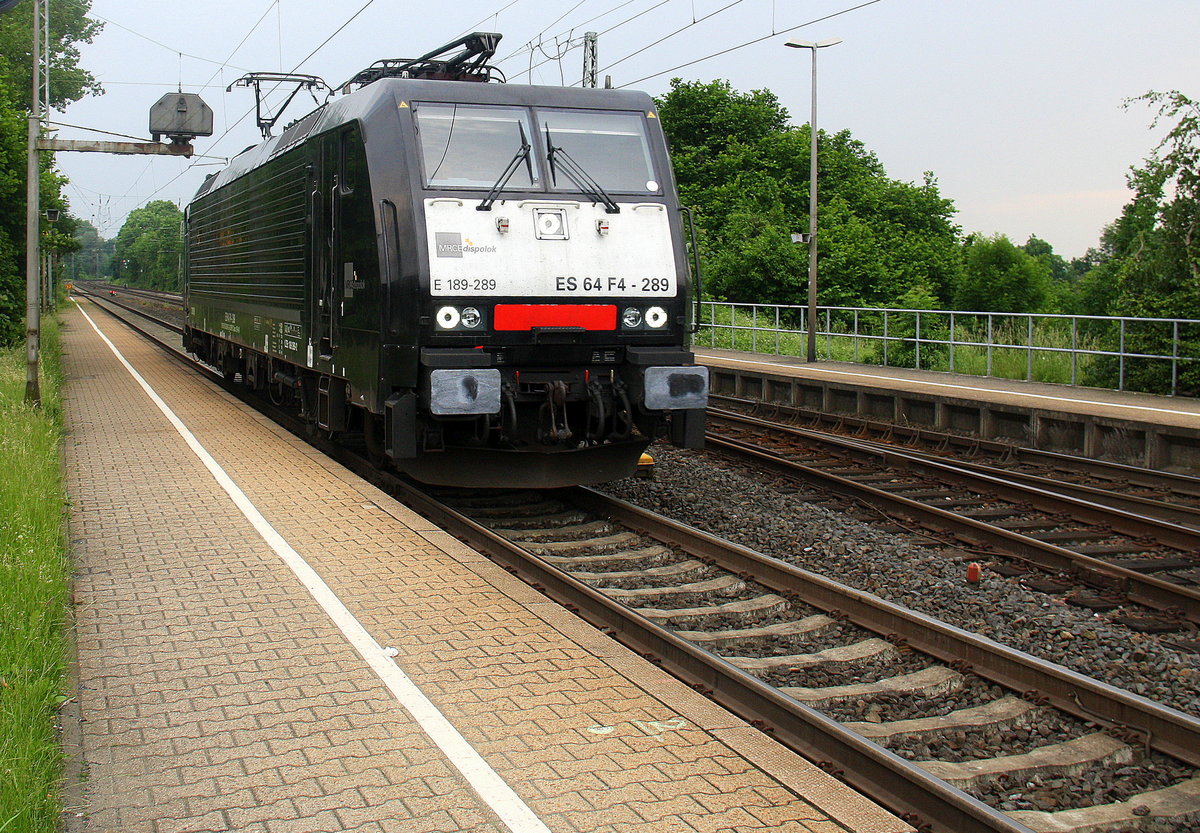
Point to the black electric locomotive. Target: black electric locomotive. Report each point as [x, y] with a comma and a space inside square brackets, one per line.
[488, 281]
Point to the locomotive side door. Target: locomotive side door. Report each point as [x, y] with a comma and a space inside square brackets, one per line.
[326, 242]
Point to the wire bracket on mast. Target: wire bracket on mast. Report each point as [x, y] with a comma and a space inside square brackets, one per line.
[590, 59]
[263, 116]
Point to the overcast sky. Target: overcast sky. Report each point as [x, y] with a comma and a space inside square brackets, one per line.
[1016, 106]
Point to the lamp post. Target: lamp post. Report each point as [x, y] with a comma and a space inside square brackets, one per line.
[812, 195]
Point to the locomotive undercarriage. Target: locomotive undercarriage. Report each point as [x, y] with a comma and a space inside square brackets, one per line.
[567, 411]
[557, 427]
[561, 414]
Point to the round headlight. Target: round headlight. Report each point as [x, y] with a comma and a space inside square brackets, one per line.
[551, 224]
[447, 318]
[471, 317]
[631, 318]
[656, 317]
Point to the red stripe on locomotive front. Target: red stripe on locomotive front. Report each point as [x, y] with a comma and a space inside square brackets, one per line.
[528, 316]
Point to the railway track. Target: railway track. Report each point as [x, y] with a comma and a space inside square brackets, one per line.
[895, 702]
[99, 288]
[823, 666]
[144, 303]
[1082, 535]
[1131, 486]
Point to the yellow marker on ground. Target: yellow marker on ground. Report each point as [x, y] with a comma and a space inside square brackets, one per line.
[645, 466]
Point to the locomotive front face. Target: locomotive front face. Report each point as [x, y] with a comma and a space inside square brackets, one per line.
[553, 250]
[557, 256]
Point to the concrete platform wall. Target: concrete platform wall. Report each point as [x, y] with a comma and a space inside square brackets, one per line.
[1173, 448]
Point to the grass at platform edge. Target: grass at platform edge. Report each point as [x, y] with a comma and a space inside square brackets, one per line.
[34, 572]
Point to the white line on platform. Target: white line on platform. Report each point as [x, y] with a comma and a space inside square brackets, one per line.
[924, 383]
[486, 782]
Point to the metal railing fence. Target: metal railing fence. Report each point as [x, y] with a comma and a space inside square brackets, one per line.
[1161, 355]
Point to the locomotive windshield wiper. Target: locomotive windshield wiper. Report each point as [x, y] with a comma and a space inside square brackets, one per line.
[578, 176]
[507, 174]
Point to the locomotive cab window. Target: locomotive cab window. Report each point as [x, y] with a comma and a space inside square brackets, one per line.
[610, 147]
[469, 146]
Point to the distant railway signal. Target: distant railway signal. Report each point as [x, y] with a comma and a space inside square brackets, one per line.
[180, 117]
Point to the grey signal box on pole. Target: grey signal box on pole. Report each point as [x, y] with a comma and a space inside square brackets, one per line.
[180, 117]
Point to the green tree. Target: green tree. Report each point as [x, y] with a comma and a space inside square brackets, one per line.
[1060, 289]
[12, 222]
[94, 258]
[1148, 264]
[999, 276]
[1043, 251]
[1160, 245]
[745, 169]
[715, 116]
[69, 27]
[149, 247]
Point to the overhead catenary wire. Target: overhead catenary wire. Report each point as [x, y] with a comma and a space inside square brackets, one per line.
[533, 46]
[742, 45]
[246, 37]
[529, 47]
[495, 14]
[681, 29]
[230, 128]
[701, 19]
[336, 32]
[538, 37]
[220, 67]
[159, 43]
[561, 16]
[169, 85]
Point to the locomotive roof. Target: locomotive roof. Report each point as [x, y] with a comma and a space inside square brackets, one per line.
[369, 102]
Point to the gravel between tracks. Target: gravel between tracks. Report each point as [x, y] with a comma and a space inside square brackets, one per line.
[752, 509]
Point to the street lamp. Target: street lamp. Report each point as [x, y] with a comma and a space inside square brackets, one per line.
[812, 195]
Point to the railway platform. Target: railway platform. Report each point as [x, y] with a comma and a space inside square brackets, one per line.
[267, 643]
[1132, 428]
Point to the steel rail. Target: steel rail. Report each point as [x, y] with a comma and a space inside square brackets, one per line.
[1144, 590]
[100, 300]
[1174, 513]
[169, 298]
[1001, 485]
[1170, 731]
[884, 776]
[1123, 472]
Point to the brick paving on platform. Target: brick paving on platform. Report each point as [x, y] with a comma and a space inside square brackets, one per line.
[215, 694]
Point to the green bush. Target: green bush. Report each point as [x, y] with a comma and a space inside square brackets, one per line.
[34, 573]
